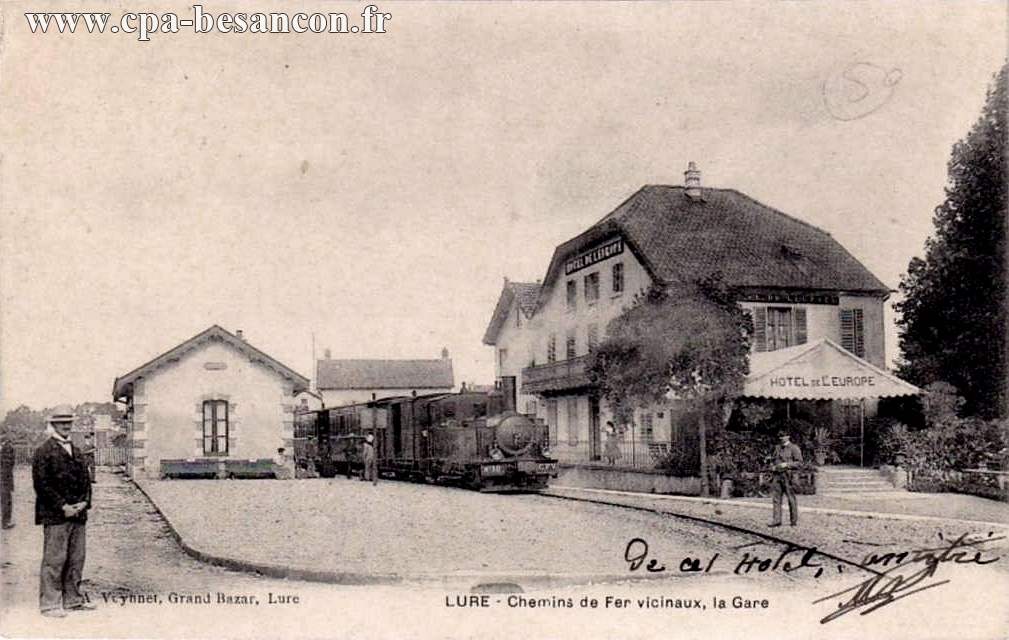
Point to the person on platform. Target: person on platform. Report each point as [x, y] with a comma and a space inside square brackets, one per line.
[62, 500]
[7, 460]
[370, 461]
[612, 450]
[282, 465]
[785, 459]
[88, 451]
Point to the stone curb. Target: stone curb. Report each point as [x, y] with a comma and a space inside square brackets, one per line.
[879, 515]
[490, 582]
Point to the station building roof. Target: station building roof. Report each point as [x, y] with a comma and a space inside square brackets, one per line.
[341, 374]
[123, 384]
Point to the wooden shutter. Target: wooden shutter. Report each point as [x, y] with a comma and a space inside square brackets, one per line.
[800, 325]
[859, 328]
[552, 421]
[760, 328]
[853, 331]
[572, 421]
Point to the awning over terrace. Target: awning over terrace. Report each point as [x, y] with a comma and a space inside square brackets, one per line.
[820, 370]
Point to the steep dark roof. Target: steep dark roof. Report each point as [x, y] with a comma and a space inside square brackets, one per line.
[384, 374]
[122, 384]
[525, 294]
[750, 243]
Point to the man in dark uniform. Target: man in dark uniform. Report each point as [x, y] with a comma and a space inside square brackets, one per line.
[787, 456]
[62, 499]
[370, 463]
[7, 459]
[88, 451]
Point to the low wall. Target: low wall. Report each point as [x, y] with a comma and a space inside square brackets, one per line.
[617, 479]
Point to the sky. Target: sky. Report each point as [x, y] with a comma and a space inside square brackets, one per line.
[373, 190]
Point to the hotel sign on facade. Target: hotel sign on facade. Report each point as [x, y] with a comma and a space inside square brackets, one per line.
[589, 258]
[823, 381]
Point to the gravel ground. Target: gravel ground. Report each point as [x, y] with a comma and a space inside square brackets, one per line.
[404, 529]
[131, 552]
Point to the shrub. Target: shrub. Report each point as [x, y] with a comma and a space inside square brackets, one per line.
[891, 440]
[755, 484]
[678, 461]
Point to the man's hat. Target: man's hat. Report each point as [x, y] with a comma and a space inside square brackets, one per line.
[62, 413]
[783, 434]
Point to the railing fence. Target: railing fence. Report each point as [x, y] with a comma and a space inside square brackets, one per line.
[104, 456]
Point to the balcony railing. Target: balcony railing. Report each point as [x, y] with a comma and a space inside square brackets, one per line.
[556, 376]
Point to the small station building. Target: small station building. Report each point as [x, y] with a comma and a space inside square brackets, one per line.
[214, 397]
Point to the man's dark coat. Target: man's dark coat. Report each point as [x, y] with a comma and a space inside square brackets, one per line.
[59, 478]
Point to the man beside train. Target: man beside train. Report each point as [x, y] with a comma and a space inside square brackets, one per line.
[370, 462]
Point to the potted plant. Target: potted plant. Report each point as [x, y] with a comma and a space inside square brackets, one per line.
[823, 446]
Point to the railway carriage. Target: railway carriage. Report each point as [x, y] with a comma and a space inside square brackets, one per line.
[468, 439]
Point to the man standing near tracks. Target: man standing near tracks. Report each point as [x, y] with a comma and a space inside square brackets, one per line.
[787, 456]
[7, 460]
[370, 462]
[88, 451]
[62, 499]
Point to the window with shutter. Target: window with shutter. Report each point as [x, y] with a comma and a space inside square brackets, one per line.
[760, 328]
[859, 333]
[852, 331]
[647, 427]
[572, 421]
[552, 420]
[800, 325]
[779, 328]
[618, 278]
[592, 287]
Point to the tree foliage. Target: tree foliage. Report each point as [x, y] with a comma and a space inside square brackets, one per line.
[689, 341]
[953, 316]
[25, 425]
[685, 341]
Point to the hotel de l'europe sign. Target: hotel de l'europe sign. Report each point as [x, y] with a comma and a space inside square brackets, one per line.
[592, 256]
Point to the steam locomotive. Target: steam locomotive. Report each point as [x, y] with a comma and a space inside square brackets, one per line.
[467, 439]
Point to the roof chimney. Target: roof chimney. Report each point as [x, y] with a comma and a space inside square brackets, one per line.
[327, 354]
[692, 181]
[239, 335]
[444, 353]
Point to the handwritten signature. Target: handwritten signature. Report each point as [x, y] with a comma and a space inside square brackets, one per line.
[885, 585]
[888, 586]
